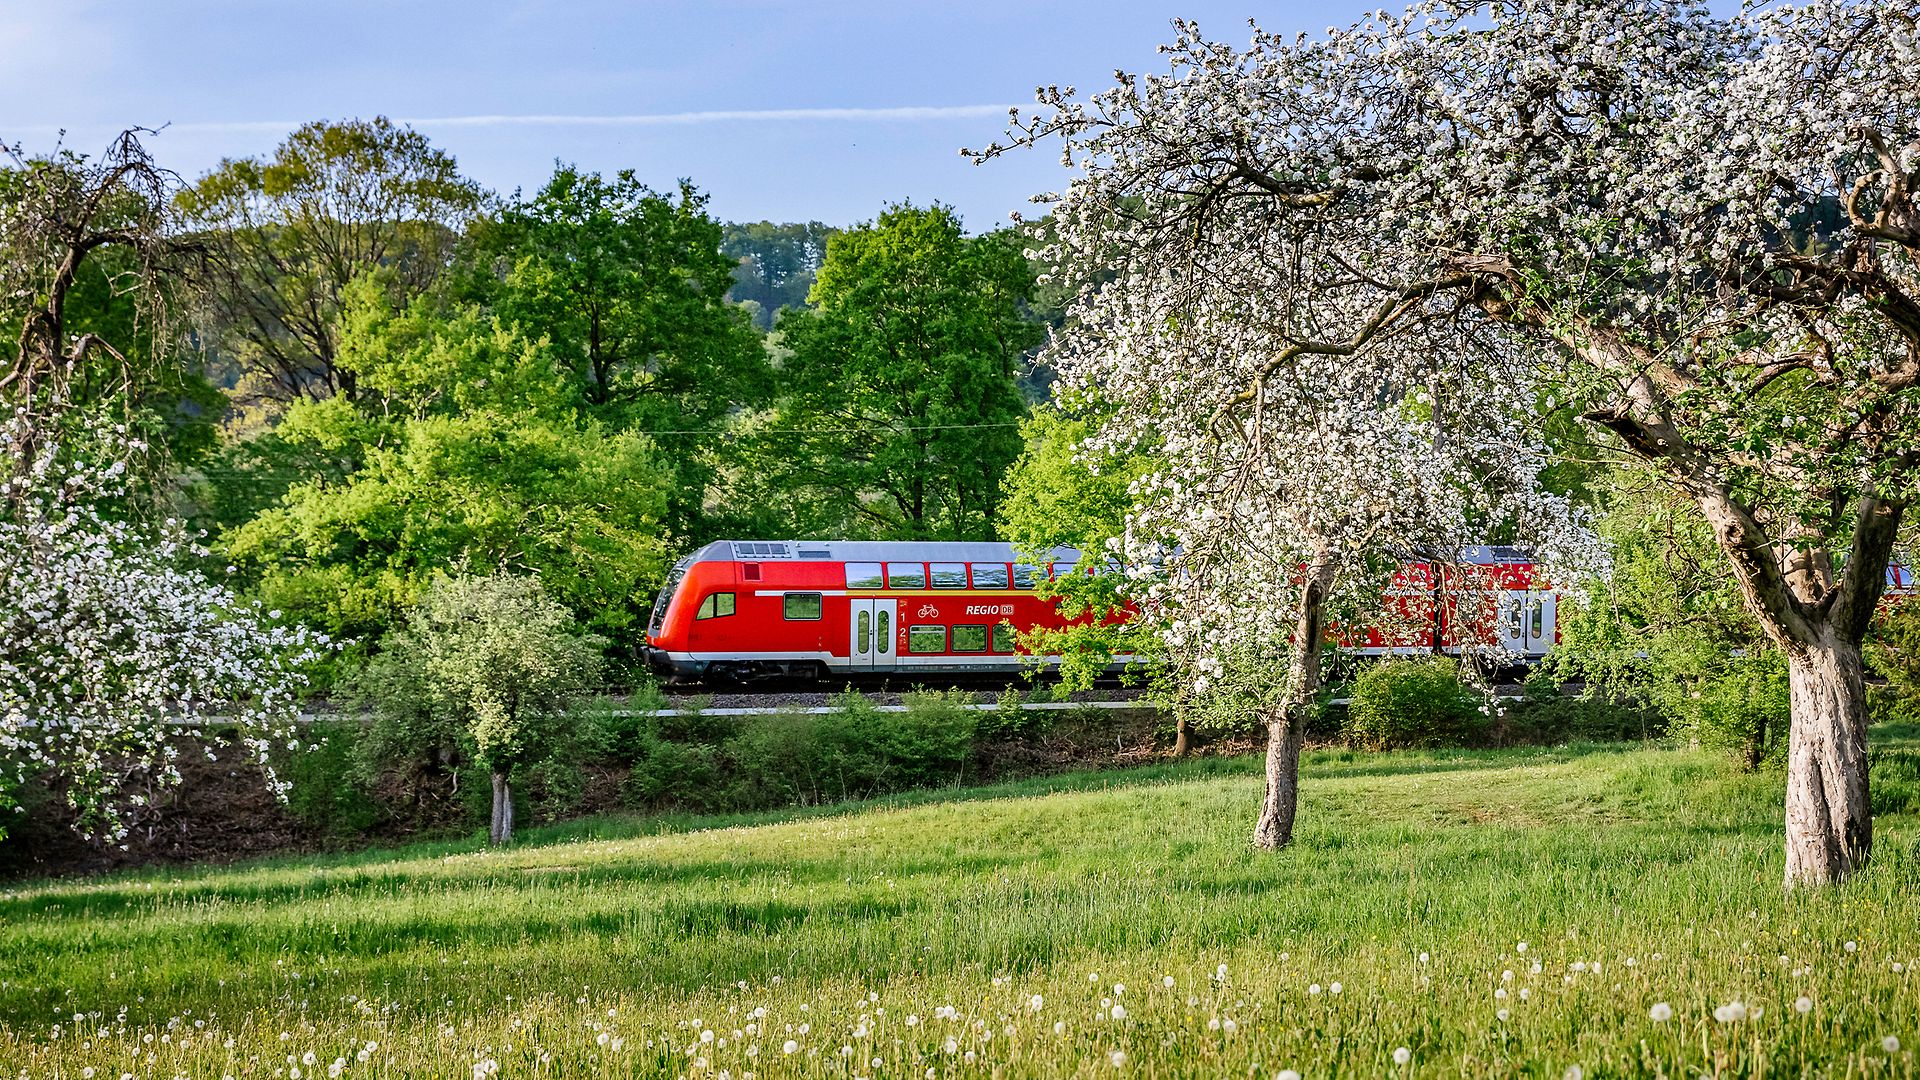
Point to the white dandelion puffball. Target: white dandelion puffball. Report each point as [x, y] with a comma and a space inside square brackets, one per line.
[1522, 947]
[1166, 981]
[1891, 1044]
[1803, 1005]
[1573, 1073]
[1118, 1058]
[1314, 990]
[1402, 1055]
[789, 1047]
[1036, 1002]
[1661, 1012]
[1852, 946]
[1119, 1012]
[1287, 1074]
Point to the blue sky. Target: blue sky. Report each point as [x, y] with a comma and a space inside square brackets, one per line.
[232, 76]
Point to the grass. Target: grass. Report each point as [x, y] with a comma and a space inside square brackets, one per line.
[1636, 876]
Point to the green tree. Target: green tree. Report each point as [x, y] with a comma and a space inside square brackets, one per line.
[464, 449]
[775, 264]
[900, 407]
[492, 663]
[285, 234]
[1669, 629]
[1059, 494]
[629, 286]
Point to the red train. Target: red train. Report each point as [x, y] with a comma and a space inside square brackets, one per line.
[741, 609]
[833, 608]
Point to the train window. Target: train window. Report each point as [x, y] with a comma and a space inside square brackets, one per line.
[949, 575]
[716, 606]
[1023, 576]
[1003, 637]
[863, 632]
[885, 637]
[969, 639]
[1062, 569]
[926, 639]
[801, 605]
[989, 575]
[906, 575]
[865, 575]
[1539, 616]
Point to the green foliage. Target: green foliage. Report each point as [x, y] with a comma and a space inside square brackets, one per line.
[332, 792]
[1893, 652]
[1407, 702]
[898, 397]
[462, 451]
[775, 266]
[628, 287]
[490, 666]
[1546, 713]
[286, 235]
[792, 757]
[1668, 630]
[1059, 495]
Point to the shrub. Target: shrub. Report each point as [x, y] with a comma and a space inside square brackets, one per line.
[1406, 702]
[330, 793]
[1893, 653]
[929, 743]
[1545, 713]
[1741, 706]
[492, 664]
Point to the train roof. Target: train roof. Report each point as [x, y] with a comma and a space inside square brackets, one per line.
[866, 551]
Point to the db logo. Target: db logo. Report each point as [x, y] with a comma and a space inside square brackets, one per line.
[928, 611]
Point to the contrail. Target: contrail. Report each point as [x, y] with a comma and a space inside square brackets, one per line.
[894, 114]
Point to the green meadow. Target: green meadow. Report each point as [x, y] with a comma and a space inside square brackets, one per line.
[1593, 911]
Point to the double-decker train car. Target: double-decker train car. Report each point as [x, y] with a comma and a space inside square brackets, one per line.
[739, 609]
[1493, 598]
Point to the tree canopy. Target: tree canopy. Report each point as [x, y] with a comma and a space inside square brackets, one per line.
[899, 385]
[1626, 196]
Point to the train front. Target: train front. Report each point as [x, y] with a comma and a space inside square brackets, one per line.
[657, 652]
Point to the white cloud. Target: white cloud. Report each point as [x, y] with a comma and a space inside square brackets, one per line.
[894, 114]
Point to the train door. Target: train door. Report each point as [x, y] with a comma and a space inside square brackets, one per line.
[872, 626]
[1539, 622]
[1510, 627]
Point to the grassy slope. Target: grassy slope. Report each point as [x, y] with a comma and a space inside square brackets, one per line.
[1657, 872]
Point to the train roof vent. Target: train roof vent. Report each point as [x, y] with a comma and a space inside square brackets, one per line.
[762, 549]
[815, 553]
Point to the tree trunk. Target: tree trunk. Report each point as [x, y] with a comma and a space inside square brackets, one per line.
[501, 831]
[1829, 821]
[1274, 830]
[1286, 724]
[1181, 737]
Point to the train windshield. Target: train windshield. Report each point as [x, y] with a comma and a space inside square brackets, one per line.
[658, 621]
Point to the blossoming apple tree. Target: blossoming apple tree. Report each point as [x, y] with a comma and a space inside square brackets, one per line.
[1703, 229]
[113, 645]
